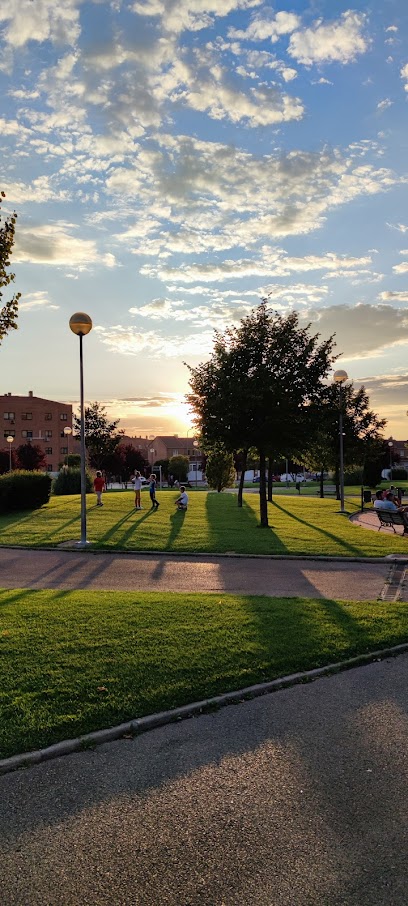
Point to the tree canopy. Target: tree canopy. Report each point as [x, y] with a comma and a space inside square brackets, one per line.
[259, 387]
[8, 311]
[101, 435]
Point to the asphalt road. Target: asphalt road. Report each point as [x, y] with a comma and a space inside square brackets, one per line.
[130, 572]
[294, 799]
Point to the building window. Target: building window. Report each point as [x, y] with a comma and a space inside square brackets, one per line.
[62, 434]
[26, 416]
[49, 468]
[10, 433]
[48, 416]
[9, 416]
[48, 434]
[48, 451]
[174, 452]
[27, 434]
[64, 417]
[64, 450]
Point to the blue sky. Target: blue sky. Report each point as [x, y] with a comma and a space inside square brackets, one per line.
[173, 161]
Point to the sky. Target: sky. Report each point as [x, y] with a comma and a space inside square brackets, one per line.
[172, 162]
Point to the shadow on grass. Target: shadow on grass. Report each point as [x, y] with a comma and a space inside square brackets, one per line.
[349, 547]
[176, 525]
[236, 529]
[120, 541]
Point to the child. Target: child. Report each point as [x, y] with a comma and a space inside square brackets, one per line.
[137, 481]
[152, 492]
[99, 485]
[182, 501]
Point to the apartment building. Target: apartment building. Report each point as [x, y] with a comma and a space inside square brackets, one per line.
[31, 418]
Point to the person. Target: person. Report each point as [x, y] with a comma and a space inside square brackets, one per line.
[137, 484]
[182, 501]
[152, 492]
[390, 506]
[99, 486]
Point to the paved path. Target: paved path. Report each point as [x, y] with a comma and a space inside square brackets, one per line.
[294, 799]
[130, 572]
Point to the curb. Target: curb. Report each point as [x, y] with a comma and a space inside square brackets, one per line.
[144, 724]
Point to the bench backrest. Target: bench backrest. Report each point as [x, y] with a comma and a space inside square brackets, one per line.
[388, 518]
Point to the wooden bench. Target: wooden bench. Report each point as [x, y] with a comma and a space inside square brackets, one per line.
[388, 519]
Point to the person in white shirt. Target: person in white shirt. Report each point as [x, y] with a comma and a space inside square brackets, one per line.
[182, 501]
[390, 507]
[137, 482]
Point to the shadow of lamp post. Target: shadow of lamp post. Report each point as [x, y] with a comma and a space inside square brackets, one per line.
[81, 324]
[10, 440]
[340, 377]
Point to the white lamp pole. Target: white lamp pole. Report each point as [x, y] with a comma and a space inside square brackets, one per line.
[196, 444]
[67, 432]
[81, 324]
[339, 378]
[10, 440]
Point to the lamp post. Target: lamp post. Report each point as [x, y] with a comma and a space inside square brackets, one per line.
[81, 324]
[196, 444]
[339, 378]
[390, 445]
[67, 432]
[10, 440]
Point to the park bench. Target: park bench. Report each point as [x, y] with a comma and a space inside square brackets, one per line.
[388, 519]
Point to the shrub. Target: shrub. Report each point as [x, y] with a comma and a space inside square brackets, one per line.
[353, 476]
[68, 481]
[399, 474]
[24, 490]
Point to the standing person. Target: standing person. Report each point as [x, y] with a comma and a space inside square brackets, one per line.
[99, 486]
[137, 481]
[152, 492]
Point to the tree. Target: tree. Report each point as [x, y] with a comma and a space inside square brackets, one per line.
[258, 388]
[9, 311]
[30, 457]
[220, 470]
[133, 460]
[178, 467]
[101, 436]
[5, 461]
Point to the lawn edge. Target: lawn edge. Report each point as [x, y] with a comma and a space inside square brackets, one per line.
[140, 725]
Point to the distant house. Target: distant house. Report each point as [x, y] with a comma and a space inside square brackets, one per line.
[40, 421]
[166, 446]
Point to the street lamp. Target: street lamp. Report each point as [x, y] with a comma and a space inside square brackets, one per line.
[339, 378]
[196, 444]
[67, 432]
[390, 444]
[10, 441]
[81, 324]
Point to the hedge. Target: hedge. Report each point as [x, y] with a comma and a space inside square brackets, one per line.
[68, 481]
[23, 490]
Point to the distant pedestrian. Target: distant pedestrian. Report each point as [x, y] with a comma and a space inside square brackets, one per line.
[99, 486]
[137, 483]
[152, 492]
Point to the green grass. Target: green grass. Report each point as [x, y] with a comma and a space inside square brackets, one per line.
[213, 523]
[73, 662]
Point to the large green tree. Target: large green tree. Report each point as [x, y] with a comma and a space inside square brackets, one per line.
[30, 457]
[259, 387]
[220, 470]
[8, 311]
[101, 435]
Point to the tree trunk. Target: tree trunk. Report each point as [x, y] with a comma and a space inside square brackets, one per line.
[263, 506]
[242, 478]
[321, 482]
[270, 483]
[337, 482]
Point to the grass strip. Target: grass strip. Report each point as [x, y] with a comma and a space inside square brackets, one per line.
[213, 523]
[73, 662]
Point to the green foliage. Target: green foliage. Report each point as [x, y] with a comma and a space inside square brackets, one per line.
[68, 481]
[9, 311]
[353, 476]
[178, 467]
[101, 436]
[5, 461]
[164, 463]
[24, 490]
[30, 457]
[399, 474]
[73, 460]
[220, 470]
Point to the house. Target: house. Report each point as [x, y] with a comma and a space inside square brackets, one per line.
[42, 421]
[166, 446]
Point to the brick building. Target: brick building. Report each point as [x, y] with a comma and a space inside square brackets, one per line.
[31, 418]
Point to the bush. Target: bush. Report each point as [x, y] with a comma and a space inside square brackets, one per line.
[23, 490]
[399, 474]
[68, 481]
[353, 476]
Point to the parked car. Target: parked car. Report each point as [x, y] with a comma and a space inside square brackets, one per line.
[257, 478]
[288, 477]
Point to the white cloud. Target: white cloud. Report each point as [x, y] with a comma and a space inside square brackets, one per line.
[394, 296]
[334, 42]
[401, 227]
[40, 190]
[362, 330]
[178, 15]
[404, 75]
[41, 20]
[401, 268]
[383, 105]
[36, 301]
[270, 27]
[129, 341]
[54, 244]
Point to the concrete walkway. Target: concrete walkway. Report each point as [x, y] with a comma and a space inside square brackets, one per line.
[294, 799]
[160, 572]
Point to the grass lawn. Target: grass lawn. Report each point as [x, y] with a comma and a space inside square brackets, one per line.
[213, 523]
[73, 662]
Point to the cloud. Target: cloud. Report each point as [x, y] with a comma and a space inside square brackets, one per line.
[361, 331]
[394, 296]
[40, 191]
[401, 227]
[335, 42]
[401, 268]
[193, 15]
[41, 20]
[404, 76]
[270, 27]
[129, 341]
[54, 244]
[384, 105]
[34, 301]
